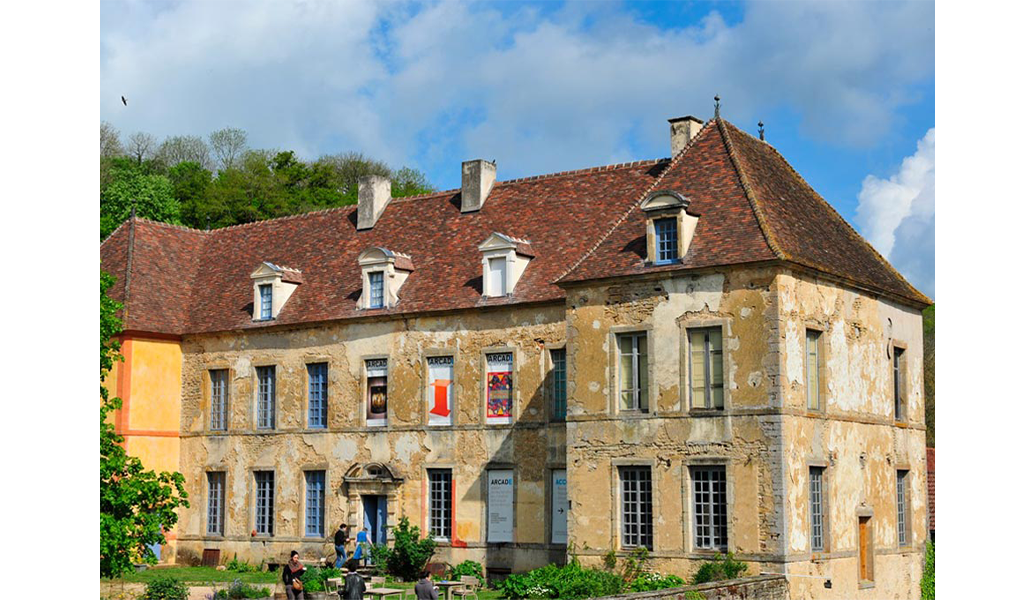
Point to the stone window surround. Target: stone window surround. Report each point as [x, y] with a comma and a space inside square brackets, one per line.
[499, 245]
[251, 499]
[548, 391]
[895, 344]
[425, 502]
[485, 500]
[907, 501]
[306, 467]
[549, 488]
[483, 383]
[206, 400]
[254, 416]
[688, 518]
[823, 356]
[395, 268]
[270, 274]
[364, 391]
[306, 362]
[613, 370]
[616, 494]
[704, 322]
[826, 529]
[661, 204]
[206, 501]
[425, 371]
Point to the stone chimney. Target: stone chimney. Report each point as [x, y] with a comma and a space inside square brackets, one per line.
[683, 129]
[374, 195]
[477, 180]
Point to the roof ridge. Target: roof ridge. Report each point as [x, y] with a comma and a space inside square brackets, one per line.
[752, 197]
[856, 237]
[671, 163]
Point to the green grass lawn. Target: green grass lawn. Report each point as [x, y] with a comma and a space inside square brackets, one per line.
[201, 575]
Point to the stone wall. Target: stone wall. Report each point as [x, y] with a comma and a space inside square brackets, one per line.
[761, 587]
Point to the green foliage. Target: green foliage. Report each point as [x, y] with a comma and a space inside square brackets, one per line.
[239, 590]
[380, 555]
[409, 554]
[190, 181]
[240, 566]
[466, 568]
[571, 581]
[694, 595]
[928, 318]
[165, 588]
[610, 560]
[719, 568]
[142, 186]
[634, 564]
[646, 582]
[315, 579]
[928, 576]
[135, 504]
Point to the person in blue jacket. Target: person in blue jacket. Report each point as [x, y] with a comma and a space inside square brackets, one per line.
[362, 546]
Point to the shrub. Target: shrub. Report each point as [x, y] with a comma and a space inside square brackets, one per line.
[380, 554]
[610, 560]
[240, 566]
[410, 553]
[570, 582]
[314, 579]
[165, 588]
[466, 568]
[928, 576]
[238, 590]
[719, 569]
[646, 582]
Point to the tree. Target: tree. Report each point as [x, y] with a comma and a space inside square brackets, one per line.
[135, 504]
[190, 182]
[228, 145]
[110, 141]
[139, 186]
[181, 148]
[141, 146]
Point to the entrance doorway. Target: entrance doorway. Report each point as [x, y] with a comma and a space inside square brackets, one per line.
[375, 518]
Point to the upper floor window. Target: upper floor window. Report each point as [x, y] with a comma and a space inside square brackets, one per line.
[504, 259]
[897, 381]
[377, 392]
[813, 369]
[376, 289]
[558, 384]
[709, 508]
[706, 370]
[637, 507]
[272, 287]
[499, 388]
[266, 301]
[218, 399]
[440, 389]
[266, 397]
[384, 272]
[666, 240]
[498, 277]
[317, 374]
[632, 371]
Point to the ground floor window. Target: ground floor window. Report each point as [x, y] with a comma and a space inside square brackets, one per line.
[440, 516]
[709, 508]
[637, 507]
[315, 484]
[215, 503]
[901, 506]
[264, 522]
[817, 482]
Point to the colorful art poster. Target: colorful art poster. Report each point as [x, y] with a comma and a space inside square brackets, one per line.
[377, 392]
[440, 389]
[499, 388]
[500, 500]
[559, 507]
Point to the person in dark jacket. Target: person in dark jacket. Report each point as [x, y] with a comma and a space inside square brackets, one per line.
[340, 540]
[291, 571]
[424, 588]
[355, 587]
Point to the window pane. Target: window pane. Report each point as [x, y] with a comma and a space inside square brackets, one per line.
[317, 374]
[215, 504]
[218, 399]
[637, 507]
[440, 482]
[558, 384]
[497, 283]
[698, 394]
[626, 372]
[709, 508]
[315, 483]
[666, 240]
[817, 510]
[264, 502]
[376, 289]
[812, 370]
[641, 373]
[266, 301]
[266, 398]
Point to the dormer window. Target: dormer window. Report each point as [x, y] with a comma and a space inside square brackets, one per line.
[384, 273]
[504, 261]
[272, 286]
[670, 227]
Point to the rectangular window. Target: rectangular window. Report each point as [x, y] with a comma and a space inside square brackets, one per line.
[317, 374]
[500, 505]
[498, 278]
[813, 369]
[897, 382]
[558, 385]
[499, 388]
[266, 397]
[376, 289]
[666, 239]
[817, 501]
[315, 494]
[264, 502]
[440, 389]
[219, 399]
[377, 392]
[866, 550]
[440, 482]
[637, 507]
[215, 503]
[559, 507]
[706, 380]
[901, 506]
[633, 371]
[709, 508]
[266, 301]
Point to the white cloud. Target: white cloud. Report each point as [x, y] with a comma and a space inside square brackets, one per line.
[897, 215]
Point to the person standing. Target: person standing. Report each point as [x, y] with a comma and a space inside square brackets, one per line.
[292, 574]
[340, 541]
[362, 549]
[424, 588]
[355, 587]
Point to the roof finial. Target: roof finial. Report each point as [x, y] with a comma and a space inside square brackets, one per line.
[717, 99]
[133, 209]
[760, 129]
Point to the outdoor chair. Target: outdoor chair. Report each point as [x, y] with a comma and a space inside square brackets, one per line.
[469, 588]
[376, 582]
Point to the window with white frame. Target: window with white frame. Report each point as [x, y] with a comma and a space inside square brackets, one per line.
[266, 301]
[377, 392]
[706, 371]
[632, 371]
[709, 508]
[812, 362]
[637, 507]
[558, 385]
[376, 289]
[317, 374]
[440, 389]
[315, 495]
[264, 515]
[666, 240]
[215, 503]
[897, 383]
[817, 508]
[499, 388]
[902, 507]
[266, 397]
[497, 272]
[440, 507]
[218, 399]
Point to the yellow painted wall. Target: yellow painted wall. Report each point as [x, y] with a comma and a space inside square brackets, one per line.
[155, 386]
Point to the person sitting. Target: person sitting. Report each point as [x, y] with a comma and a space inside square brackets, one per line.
[424, 588]
[355, 587]
[292, 574]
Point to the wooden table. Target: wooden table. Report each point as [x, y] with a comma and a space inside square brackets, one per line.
[382, 591]
[448, 586]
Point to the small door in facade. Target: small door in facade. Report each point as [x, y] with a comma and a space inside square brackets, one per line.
[375, 518]
[864, 535]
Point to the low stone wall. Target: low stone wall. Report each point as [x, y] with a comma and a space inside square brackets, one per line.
[761, 587]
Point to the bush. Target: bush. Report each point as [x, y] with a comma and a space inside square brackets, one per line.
[467, 568]
[314, 579]
[646, 582]
[238, 591]
[928, 576]
[719, 569]
[570, 582]
[240, 566]
[410, 554]
[165, 588]
[380, 554]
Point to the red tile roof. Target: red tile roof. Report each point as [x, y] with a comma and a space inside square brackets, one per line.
[931, 487]
[580, 225]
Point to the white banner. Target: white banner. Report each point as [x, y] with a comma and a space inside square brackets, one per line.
[500, 493]
[440, 386]
[559, 507]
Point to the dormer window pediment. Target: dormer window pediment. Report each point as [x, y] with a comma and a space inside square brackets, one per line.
[384, 273]
[504, 260]
[670, 227]
[272, 286]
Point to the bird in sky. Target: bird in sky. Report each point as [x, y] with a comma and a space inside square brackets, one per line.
[124, 101]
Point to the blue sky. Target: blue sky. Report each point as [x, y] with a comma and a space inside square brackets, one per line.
[846, 89]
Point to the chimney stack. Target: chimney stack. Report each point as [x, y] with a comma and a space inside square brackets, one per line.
[683, 129]
[477, 180]
[374, 195]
